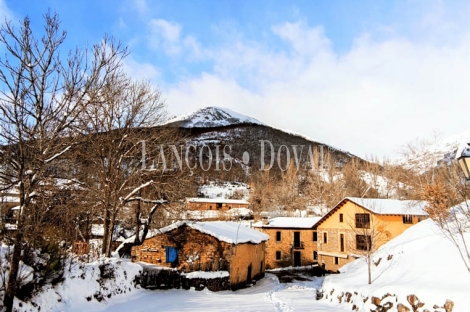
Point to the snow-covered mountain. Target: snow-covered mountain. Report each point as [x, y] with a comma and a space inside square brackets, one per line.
[212, 117]
[429, 153]
[246, 136]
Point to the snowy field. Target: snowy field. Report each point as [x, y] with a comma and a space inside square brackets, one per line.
[267, 295]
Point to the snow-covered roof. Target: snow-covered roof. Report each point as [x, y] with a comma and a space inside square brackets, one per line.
[218, 200]
[217, 214]
[229, 232]
[391, 206]
[290, 222]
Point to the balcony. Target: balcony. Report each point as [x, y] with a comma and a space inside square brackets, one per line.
[297, 245]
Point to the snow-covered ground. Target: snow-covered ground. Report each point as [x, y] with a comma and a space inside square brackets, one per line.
[267, 295]
[95, 287]
[420, 262]
[224, 190]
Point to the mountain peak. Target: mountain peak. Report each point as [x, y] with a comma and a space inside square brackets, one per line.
[210, 117]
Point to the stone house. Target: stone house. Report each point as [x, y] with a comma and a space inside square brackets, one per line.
[207, 246]
[198, 203]
[356, 226]
[211, 209]
[292, 241]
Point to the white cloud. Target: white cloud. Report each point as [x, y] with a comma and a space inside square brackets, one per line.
[304, 40]
[167, 36]
[141, 71]
[369, 100]
[140, 6]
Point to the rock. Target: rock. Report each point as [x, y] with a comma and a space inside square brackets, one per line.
[376, 301]
[415, 303]
[449, 305]
[348, 297]
[387, 306]
[412, 299]
[402, 308]
[365, 299]
[340, 298]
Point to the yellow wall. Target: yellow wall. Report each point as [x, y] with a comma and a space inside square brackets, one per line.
[244, 255]
[388, 227]
[285, 247]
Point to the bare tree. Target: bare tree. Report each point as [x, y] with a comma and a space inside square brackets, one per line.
[42, 95]
[132, 158]
[451, 217]
[369, 233]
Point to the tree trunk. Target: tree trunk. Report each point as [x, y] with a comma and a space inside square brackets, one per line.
[369, 272]
[137, 224]
[111, 233]
[12, 283]
[106, 230]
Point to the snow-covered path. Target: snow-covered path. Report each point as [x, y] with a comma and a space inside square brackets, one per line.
[267, 295]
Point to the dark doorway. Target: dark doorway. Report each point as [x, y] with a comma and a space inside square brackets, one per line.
[297, 258]
[248, 276]
[296, 239]
[341, 242]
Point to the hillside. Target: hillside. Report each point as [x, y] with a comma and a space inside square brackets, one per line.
[420, 262]
[247, 140]
[428, 153]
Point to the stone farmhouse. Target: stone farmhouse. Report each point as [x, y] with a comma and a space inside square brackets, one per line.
[292, 241]
[356, 225]
[207, 246]
[210, 209]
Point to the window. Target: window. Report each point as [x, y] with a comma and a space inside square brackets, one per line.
[341, 217]
[278, 255]
[278, 236]
[336, 260]
[325, 238]
[315, 255]
[218, 205]
[341, 242]
[407, 219]
[297, 242]
[315, 237]
[363, 242]
[362, 220]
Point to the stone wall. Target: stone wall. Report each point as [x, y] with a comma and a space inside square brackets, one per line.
[333, 247]
[213, 206]
[167, 279]
[202, 252]
[285, 247]
[196, 251]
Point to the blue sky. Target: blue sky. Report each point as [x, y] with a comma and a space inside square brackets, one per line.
[365, 76]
